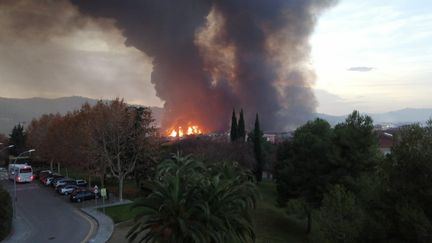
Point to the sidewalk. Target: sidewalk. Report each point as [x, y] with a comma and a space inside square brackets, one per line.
[105, 223]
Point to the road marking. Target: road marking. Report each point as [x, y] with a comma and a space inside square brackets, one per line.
[92, 225]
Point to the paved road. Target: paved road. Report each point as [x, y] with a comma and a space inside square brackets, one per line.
[43, 216]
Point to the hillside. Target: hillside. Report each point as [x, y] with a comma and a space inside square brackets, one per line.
[14, 111]
[398, 117]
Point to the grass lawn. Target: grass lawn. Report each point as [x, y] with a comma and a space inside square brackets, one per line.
[121, 213]
[272, 223]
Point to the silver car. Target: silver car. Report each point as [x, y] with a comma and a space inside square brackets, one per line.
[67, 189]
[64, 181]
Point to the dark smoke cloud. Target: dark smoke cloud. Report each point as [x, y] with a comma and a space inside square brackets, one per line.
[49, 49]
[23, 20]
[210, 56]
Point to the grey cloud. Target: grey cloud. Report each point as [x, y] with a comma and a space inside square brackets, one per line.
[361, 69]
[49, 49]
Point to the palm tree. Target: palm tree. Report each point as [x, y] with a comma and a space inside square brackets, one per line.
[194, 203]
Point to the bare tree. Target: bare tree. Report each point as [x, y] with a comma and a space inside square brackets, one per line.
[121, 135]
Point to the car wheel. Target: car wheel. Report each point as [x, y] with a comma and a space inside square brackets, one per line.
[66, 193]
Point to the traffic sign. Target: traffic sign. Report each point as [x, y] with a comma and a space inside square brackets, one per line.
[103, 192]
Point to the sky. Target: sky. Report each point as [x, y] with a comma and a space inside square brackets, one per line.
[374, 56]
[51, 50]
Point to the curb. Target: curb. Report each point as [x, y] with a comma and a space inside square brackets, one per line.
[105, 225]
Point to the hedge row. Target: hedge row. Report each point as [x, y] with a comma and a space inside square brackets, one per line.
[5, 214]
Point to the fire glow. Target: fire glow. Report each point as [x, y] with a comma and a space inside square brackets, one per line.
[180, 131]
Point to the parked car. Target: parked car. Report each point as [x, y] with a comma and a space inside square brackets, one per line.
[41, 173]
[82, 195]
[81, 183]
[64, 181]
[54, 181]
[44, 179]
[67, 189]
[44, 174]
[48, 180]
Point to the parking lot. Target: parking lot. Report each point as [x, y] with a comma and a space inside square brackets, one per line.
[66, 198]
[49, 189]
[43, 216]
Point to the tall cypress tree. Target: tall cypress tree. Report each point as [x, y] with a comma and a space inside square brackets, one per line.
[257, 144]
[233, 132]
[241, 132]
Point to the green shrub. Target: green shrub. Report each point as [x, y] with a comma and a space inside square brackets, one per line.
[5, 214]
[192, 202]
[340, 219]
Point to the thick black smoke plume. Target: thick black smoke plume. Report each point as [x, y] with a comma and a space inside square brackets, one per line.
[212, 55]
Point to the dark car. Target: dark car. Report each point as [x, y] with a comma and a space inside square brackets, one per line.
[82, 195]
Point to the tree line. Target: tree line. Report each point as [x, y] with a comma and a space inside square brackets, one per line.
[107, 137]
[348, 191]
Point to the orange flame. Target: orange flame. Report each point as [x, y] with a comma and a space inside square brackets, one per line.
[180, 132]
[173, 133]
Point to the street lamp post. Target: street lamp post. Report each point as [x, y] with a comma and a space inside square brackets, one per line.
[13, 173]
[8, 147]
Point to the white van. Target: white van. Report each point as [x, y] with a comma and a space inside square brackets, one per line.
[20, 172]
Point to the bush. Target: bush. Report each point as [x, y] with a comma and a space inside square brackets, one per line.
[340, 219]
[209, 151]
[5, 214]
[192, 202]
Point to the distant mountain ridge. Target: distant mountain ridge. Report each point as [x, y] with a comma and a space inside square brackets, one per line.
[14, 111]
[397, 117]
